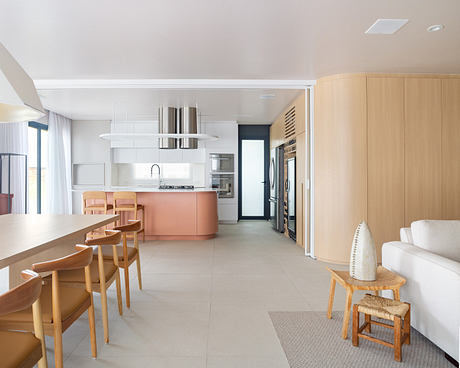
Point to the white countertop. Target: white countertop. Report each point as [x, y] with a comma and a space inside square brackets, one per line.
[136, 188]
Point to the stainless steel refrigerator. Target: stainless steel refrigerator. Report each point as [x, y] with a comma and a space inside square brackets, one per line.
[276, 175]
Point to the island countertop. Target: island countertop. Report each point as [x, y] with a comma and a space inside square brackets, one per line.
[171, 214]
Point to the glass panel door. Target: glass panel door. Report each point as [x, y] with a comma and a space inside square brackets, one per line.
[252, 178]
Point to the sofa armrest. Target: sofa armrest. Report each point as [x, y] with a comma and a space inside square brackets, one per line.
[409, 250]
[433, 289]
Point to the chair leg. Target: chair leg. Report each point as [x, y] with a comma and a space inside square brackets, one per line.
[407, 327]
[367, 319]
[117, 280]
[143, 226]
[397, 339]
[128, 300]
[38, 331]
[105, 313]
[355, 327]
[91, 319]
[57, 322]
[139, 277]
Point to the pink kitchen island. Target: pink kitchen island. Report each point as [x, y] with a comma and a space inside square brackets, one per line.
[176, 214]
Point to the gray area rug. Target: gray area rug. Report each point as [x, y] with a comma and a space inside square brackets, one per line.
[310, 339]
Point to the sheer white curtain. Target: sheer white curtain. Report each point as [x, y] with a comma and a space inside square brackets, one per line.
[14, 139]
[59, 165]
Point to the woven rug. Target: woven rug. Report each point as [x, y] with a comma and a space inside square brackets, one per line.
[309, 339]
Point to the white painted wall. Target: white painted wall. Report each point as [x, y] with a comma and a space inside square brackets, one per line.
[88, 148]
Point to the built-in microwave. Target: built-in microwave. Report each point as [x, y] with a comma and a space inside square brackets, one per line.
[222, 162]
[223, 184]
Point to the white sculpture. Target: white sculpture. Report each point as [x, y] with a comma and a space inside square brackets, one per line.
[363, 259]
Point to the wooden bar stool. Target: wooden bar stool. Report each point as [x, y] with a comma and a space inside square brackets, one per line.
[23, 349]
[127, 202]
[127, 255]
[61, 306]
[102, 273]
[392, 310]
[95, 202]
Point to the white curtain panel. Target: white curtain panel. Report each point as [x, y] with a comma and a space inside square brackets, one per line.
[14, 139]
[59, 162]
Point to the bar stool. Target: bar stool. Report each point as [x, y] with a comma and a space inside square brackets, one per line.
[61, 306]
[127, 202]
[95, 202]
[23, 349]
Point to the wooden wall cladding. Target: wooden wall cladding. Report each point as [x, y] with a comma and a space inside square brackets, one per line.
[410, 158]
[451, 148]
[340, 165]
[385, 132]
[422, 149]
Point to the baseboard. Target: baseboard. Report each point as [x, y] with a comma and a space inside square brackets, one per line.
[451, 360]
[228, 222]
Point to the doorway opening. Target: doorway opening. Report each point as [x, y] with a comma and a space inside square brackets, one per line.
[253, 178]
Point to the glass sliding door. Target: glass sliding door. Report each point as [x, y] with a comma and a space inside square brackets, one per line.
[252, 178]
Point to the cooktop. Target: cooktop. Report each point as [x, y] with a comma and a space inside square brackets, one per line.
[189, 187]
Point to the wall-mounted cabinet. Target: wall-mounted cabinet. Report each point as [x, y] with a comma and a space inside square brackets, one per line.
[386, 151]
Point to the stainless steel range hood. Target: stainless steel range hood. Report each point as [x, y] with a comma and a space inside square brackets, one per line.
[167, 125]
[187, 124]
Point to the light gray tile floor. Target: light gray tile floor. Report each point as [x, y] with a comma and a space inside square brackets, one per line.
[206, 303]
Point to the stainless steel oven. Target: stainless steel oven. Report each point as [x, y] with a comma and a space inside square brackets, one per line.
[222, 162]
[224, 184]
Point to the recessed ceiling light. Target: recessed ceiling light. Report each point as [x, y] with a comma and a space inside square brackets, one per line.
[386, 26]
[268, 96]
[435, 28]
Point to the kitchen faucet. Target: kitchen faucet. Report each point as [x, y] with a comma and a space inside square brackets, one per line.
[159, 173]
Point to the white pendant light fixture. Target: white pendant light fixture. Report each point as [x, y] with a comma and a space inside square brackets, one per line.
[19, 100]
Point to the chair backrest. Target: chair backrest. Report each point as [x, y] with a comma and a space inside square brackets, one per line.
[80, 259]
[124, 196]
[112, 237]
[22, 296]
[134, 225]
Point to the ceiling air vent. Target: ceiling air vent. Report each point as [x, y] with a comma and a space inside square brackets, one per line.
[289, 123]
[386, 26]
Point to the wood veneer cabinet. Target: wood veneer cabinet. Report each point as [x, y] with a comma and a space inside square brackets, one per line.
[405, 168]
[450, 148]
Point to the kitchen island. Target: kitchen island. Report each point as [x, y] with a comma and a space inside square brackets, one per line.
[174, 214]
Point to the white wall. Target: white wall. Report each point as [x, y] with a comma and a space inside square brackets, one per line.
[88, 148]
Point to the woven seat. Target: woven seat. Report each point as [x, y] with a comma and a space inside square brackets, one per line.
[382, 307]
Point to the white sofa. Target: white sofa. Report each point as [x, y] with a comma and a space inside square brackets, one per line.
[428, 257]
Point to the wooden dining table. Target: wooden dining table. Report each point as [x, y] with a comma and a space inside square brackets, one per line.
[26, 239]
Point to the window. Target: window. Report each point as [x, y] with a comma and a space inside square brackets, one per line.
[38, 165]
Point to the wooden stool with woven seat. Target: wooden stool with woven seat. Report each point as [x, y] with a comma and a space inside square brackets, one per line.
[127, 202]
[127, 255]
[61, 306]
[102, 273]
[392, 310]
[23, 349]
[95, 202]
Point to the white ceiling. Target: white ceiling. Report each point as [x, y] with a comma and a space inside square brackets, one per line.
[231, 39]
[242, 105]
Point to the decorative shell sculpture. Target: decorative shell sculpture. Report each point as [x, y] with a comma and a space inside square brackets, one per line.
[363, 260]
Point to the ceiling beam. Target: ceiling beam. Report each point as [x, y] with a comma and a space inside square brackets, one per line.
[44, 84]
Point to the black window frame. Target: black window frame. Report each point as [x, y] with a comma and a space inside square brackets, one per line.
[40, 127]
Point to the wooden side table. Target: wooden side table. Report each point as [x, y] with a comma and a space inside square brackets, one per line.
[386, 280]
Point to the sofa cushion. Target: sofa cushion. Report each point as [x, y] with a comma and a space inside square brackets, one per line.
[441, 237]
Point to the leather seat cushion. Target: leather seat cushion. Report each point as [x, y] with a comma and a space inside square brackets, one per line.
[107, 251]
[79, 275]
[16, 347]
[70, 298]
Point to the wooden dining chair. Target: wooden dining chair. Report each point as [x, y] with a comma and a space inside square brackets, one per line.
[61, 306]
[127, 255]
[95, 202]
[23, 349]
[103, 274]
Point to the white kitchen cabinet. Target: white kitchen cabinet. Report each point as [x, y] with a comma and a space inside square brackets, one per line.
[227, 213]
